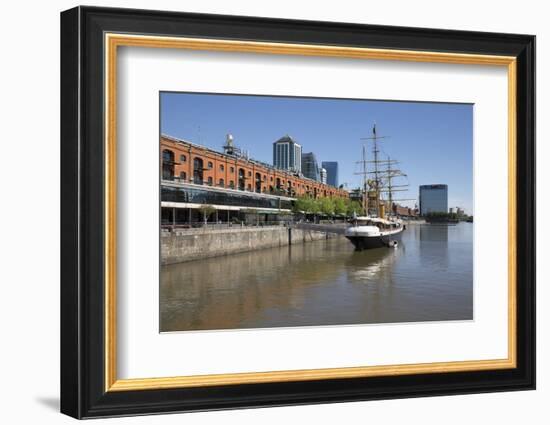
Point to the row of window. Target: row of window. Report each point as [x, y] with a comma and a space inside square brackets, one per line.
[210, 181]
[197, 178]
[199, 196]
[231, 185]
[210, 164]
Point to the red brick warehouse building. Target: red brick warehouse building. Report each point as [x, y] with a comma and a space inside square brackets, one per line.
[194, 175]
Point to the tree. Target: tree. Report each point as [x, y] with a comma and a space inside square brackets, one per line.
[302, 204]
[355, 207]
[314, 207]
[206, 210]
[326, 206]
[340, 206]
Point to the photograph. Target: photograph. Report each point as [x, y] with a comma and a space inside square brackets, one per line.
[280, 211]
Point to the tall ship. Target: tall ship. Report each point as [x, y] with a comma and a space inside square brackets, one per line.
[379, 227]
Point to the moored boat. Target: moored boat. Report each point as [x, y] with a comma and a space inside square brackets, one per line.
[374, 232]
[379, 228]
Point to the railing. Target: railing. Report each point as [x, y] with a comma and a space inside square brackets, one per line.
[327, 226]
[222, 225]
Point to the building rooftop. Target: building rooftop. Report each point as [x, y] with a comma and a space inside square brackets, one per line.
[286, 138]
[243, 158]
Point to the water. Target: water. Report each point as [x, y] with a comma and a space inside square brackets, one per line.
[428, 277]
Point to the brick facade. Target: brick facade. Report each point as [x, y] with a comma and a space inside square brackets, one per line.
[188, 162]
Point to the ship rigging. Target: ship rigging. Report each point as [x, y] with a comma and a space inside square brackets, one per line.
[378, 227]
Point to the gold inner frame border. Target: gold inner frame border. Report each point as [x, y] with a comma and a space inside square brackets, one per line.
[112, 41]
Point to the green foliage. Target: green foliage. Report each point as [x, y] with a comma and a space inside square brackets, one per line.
[354, 207]
[326, 206]
[314, 206]
[437, 214]
[302, 204]
[340, 206]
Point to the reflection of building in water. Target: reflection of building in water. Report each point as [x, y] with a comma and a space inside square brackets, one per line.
[428, 277]
[433, 232]
[433, 240]
[240, 289]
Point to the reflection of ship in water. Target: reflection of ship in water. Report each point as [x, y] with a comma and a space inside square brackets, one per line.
[427, 277]
[372, 266]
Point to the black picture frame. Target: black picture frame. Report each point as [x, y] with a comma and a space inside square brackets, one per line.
[83, 392]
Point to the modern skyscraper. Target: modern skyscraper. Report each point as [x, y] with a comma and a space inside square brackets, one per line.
[433, 198]
[287, 154]
[332, 172]
[323, 175]
[310, 167]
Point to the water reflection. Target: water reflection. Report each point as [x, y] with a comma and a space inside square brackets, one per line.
[429, 277]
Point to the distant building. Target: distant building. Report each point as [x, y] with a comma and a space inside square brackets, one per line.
[459, 211]
[323, 175]
[433, 198]
[287, 154]
[310, 167]
[356, 195]
[401, 211]
[332, 172]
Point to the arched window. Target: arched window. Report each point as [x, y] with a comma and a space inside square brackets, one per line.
[231, 184]
[258, 182]
[222, 183]
[197, 170]
[221, 167]
[241, 179]
[210, 165]
[210, 181]
[167, 164]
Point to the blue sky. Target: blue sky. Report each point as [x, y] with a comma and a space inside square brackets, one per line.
[432, 141]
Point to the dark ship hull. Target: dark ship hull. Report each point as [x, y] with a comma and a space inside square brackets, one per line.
[370, 242]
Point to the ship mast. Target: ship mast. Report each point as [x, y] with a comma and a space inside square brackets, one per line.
[376, 183]
[365, 206]
[382, 181]
[390, 173]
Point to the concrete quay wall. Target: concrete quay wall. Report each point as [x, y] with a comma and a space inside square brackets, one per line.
[178, 246]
